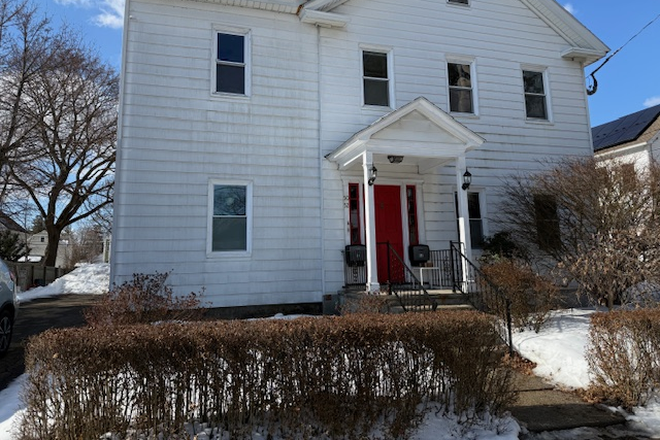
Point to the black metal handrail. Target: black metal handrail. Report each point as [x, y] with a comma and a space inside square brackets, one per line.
[482, 293]
[404, 284]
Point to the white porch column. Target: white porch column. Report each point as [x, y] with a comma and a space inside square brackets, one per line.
[370, 224]
[463, 214]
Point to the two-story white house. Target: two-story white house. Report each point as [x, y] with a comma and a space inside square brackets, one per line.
[258, 139]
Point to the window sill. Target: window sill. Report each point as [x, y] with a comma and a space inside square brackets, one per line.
[377, 108]
[229, 255]
[229, 97]
[464, 115]
[535, 121]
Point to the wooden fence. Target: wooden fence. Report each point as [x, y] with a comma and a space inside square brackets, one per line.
[30, 275]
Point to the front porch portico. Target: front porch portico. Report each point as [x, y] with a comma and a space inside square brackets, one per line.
[421, 134]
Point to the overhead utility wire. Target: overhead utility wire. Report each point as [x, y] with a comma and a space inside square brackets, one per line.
[592, 89]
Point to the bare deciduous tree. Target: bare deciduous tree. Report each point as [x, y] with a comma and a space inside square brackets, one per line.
[596, 222]
[67, 161]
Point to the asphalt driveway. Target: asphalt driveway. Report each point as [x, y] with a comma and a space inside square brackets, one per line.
[35, 317]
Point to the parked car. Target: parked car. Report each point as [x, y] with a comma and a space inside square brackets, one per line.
[8, 306]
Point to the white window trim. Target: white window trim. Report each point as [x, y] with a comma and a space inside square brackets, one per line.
[390, 74]
[482, 208]
[210, 253]
[461, 59]
[247, 56]
[543, 70]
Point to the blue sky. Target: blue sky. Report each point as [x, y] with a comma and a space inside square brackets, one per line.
[627, 83]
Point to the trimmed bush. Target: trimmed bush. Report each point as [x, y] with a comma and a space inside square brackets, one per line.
[624, 356]
[146, 298]
[532, 296]
[333, 377]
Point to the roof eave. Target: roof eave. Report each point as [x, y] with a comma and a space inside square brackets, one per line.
[324, 19]
[584, 56]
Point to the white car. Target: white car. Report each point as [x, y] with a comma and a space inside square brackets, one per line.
[8, 306]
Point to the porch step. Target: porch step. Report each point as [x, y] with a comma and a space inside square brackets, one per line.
[445, 300]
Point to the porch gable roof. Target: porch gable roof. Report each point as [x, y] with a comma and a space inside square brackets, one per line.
[418, 130]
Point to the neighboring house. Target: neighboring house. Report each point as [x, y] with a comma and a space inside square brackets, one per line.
[257, 139]
[8, 224]
[633, 139]
[38, 243]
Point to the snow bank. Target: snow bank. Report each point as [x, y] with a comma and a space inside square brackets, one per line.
[88, 279]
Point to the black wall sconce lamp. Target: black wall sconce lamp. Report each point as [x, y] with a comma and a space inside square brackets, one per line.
[467, 180]
[395, 159]
[374, 174]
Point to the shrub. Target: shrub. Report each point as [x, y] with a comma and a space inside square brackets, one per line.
[147, 298]
[322, 378]
[624, 356]
[532, 296]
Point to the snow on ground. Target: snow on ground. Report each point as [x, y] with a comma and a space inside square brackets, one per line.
[558, 350]
[86, 279]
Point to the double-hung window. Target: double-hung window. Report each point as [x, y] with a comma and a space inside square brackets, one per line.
[231, 63]
[376, 78]
[461, 96]
[230, 217]
[536, 103]
[547, 222]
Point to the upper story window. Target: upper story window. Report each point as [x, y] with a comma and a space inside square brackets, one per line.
[458, 2]
[461, 96]
[231, 63]
[536, 103]
[376, 78]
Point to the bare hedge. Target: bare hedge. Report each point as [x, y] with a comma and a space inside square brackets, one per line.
[624, 355]
[308, 378]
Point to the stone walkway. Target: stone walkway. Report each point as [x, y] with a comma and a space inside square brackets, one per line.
[545, 412]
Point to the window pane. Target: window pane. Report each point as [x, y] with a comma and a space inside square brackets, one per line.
[476, 234]
[229, 200]
[533, 82]
[459, 75]
[229, 234]
[460, 100]
[474, 210]
[231, 48]
[375, 64]
[376, 92]
[535, 106]
[462, 2]
[230, 79]
[547, 222]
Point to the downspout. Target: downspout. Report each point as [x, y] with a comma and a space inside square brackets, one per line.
[117, 211]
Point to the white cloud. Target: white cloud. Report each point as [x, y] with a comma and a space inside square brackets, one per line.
[112, 14]
[652, 101]
[77, 3]
[570, 8]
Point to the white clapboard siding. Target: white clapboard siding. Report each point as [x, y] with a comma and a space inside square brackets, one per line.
[305, 101]
[501, 37]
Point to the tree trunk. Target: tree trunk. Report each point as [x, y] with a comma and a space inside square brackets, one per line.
[51, 248]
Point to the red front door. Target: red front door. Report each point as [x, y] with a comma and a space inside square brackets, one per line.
[389, 228]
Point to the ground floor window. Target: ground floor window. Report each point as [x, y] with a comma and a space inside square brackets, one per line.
[230, 217]
[354, 222]
[411, 208]
[476, 222]
[547, 222]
